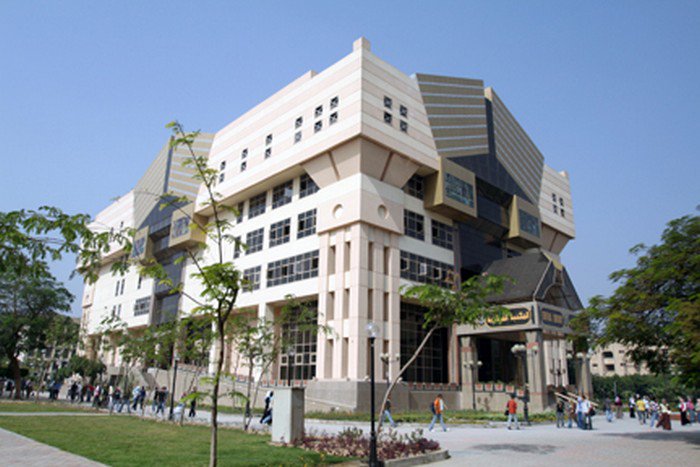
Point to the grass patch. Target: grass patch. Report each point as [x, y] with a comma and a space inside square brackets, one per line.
[451, 416]
[30, 406]
[127, 441]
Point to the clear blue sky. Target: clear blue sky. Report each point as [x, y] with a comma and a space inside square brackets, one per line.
[609, 91]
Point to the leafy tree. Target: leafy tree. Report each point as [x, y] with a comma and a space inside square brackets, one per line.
[655, 309]
[85, 367]
[62, 332]
[465, 303]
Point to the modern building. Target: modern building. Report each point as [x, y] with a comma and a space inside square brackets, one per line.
[350, 183]
[612, 360]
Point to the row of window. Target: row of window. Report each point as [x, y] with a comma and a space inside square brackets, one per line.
[389, 117]
[414, 226]
[142, 306]
[280, 232]
[119, 290]
[292, 269]
[560, 208]
[425, 270]
[281, 195]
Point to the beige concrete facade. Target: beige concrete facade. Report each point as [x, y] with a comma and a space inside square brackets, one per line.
[612, 360]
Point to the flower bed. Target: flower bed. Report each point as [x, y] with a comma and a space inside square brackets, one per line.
[351, 443]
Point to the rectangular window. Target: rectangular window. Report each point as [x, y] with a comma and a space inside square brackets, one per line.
[142, 306]
[282, 194]
[268, 139]
[239, 214]
[529, 223]
[292, 269]
[388, 102]
[415, 186]
[425, 270]
[333, 118]
[562, 213]
[279, 232]
[403, 110]
[244, 153]
[268, 153]
[307, 186]
[334, 102]
[138, 284]
[298, 122]
[236, 247]
[318, 111]
[256, 205]
[442, 234]
[413, 224]
[555, 208]
[554, 197]
[387, 118]
[116, 292]
[297, 136]
[318, 126]
[459, 190]
[121, 291]
[300, 362]
[222, 166]
[561, 201]
[221, 177]
[251, 279]
[244, 165]
[403, 125]
[254, 241]
[306, 224]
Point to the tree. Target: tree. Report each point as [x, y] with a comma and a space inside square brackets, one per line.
[62, 332]
[655, 309]
[27, 306]
[465, 303]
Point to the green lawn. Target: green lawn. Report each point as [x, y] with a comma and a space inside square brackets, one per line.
[129, 441]
[30, 406]
[451, 416]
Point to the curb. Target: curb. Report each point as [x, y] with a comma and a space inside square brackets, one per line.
[420, 459]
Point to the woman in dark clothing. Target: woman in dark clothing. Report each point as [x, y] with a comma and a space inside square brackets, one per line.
[683, 407]
[193, 406]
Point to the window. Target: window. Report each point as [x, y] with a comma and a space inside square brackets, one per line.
[388, 102]
[442, 234]
[554, 197]
[239, 214]
[555, 208]
[318, 126]
[561, 201]
[256, 205]
[268, 153]
[282, 194]
[181, 227]
[251, 279]
[459, 190]
[268, 139]
[221, 177]
[244, 165]
[414, 186]
[279, 232]
[302, 340]
[425, 270]
[431, 364]
[142, 306]
[244, 153]
[292, 269]
[297, 136]
[121, 290]
[529, 223]
[119, 310]
[334, 102]
[298, 122]
[387, 118]
[562, 213]
[116, 291]
[333, 118]
[403, 126]
[222, 166]
[413, 224]
[236, 247]
[607, 354]
[307, 186]
[318, 111]
[403, 110]
[306, 224]
[138, 284]
[254, 241]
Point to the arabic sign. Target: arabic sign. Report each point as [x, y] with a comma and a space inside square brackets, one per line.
[552, 318]
[517, 316]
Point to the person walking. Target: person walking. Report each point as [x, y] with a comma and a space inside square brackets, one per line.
[512, 409]
[193, 404]
[266, 418]
[653, 412]
[618, 407]
[632, 405]
[162, 400]
[641, 411]
[561, 408]
[691, 410]
[387, 413]
[573, 405]
[665, 416]
[588, 411]
[607, 406]
[580, 413]
[683, 407]
[438, 408]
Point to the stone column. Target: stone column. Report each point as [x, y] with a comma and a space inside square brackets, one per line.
[536, 368]
[467, 353]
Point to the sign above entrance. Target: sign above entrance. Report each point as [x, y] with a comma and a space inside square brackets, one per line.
[517, 316]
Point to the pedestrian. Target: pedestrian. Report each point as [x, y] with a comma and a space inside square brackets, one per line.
[580, 414]
[632, 405]
[683, 407]
[561, 408]
[653, 412]
[438, 408]
[691, 409]
[162, 396]
[665, 416]
[588, 411]
[193, 404]
[618, 407]
[266, 418]
[512, 410]
[387, 413]
[641, 411]
[607, 406]
[573, 405]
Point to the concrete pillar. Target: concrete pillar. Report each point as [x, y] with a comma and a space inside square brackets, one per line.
[467, 353]
[536, 368]
[287, 415]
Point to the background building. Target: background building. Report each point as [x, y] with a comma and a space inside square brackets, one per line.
[612, 360]
[350, 183]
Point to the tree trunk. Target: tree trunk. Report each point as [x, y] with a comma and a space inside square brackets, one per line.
[16, 376]
[248, 414]
[401, 372]
[215, 398]
[45, 370]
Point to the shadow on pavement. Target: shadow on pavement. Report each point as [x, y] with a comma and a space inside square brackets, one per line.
[690, 437]
[520, 448]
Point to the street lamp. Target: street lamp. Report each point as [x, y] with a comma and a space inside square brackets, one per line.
[372, 333]
[473, 367]
[520, 352]
[172, 392]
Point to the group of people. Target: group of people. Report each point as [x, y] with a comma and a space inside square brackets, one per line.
[8, 386]
[579, 411]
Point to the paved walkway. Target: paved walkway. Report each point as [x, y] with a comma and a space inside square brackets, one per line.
[16, 451]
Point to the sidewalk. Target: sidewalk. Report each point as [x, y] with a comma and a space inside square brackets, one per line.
[20, 451]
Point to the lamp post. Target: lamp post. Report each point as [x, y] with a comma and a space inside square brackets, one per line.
[172, 391]
[372, 333]
[520, 352]
[473, 367]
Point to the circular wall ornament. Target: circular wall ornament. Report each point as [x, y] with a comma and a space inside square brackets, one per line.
[383, 213]
[338, 211]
